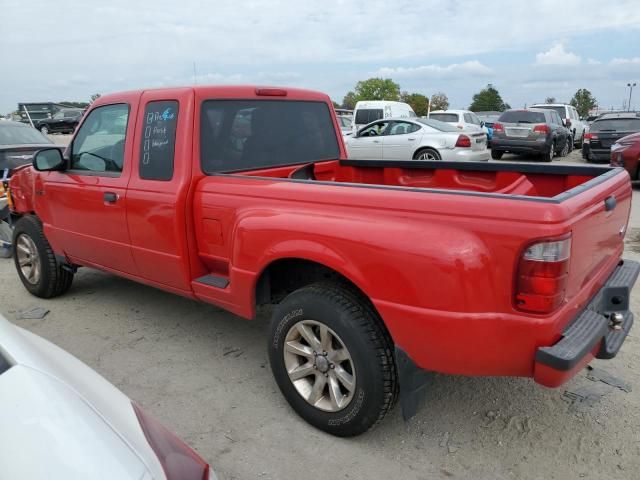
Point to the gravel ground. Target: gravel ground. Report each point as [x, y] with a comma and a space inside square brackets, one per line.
[205, 374]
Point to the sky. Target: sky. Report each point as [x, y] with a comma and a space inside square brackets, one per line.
[529, 50]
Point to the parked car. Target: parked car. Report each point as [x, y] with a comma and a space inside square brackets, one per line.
[18, 143]
[626, 153]
[369, 111]
[64, 421]
[487, 120]
[346, 124]
[605, 131]
[418, 139]
[570, 119]
[532, 131]
[63, 121]
[379, 270]
[31, 112]
[462, 119]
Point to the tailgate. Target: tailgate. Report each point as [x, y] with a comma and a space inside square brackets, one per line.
[600, 216]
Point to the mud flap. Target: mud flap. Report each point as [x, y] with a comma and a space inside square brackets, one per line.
[413, 384]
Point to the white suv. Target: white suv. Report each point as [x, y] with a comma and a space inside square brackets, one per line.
[463, 119]
[570, 119]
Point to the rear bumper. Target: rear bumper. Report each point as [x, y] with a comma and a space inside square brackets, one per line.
[466, 155]
[597, 155]
[519, 145]
[598, 331]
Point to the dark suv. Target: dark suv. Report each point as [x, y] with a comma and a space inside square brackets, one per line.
[605, 131]
[63, 121]
[533, 130]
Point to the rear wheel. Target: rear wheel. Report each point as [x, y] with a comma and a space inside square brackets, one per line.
[427, 154]
[35, 261]
[548, 157]
[44, 129]
[333, 359]
[565, 150]
[496, 155]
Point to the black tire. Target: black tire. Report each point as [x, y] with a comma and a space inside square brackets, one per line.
[427, 151]
[548, 156]
[566, 148]
[54, 280]
[361, 331]
[496, 154]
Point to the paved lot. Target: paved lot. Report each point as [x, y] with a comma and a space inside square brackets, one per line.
[205, 374]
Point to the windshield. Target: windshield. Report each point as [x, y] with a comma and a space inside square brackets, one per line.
[444, 117]
[560, 110]
[437, 124]
[617, 125]
[522, 116]
[21, 135]
[368, 115]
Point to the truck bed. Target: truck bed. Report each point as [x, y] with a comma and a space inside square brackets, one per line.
[553, 183]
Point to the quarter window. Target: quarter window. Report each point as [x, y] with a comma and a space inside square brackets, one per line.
[99, 144]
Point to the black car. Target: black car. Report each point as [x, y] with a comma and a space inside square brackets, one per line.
[63, 121]
[18, 143]
[532, 131]
[605, 131]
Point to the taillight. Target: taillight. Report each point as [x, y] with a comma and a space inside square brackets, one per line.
[543, 272]
[590, 136]
[541, 129]
[178, 460]
[463, 141]
[498, 127]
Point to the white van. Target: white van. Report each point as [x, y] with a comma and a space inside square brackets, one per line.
[369, 111]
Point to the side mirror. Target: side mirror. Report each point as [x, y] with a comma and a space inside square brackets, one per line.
[48, 159]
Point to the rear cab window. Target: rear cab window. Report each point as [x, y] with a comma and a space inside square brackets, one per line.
[246, 134]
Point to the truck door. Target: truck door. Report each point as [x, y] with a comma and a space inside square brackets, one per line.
[158, 193]
[84, 207]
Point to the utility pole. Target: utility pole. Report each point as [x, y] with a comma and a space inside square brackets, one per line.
[630, 85]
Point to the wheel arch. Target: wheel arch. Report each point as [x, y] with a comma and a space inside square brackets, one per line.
[426, 147]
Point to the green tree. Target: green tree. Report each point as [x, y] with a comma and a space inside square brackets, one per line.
[335, 104]
[439, 101]
[488, 100]
[550, 100]
[583, 101]
[419, 103]
[349, 101]
[377, 89]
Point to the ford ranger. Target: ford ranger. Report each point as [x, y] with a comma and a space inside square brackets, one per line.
[380, 270]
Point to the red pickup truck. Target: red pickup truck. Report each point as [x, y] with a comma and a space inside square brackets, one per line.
[381, 270]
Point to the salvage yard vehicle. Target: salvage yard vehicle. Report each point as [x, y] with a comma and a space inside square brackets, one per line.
[607, 130]
[63, 121]
[570, 119]
[418, 138]
[380, 270]
[530, 131]
[67, 422]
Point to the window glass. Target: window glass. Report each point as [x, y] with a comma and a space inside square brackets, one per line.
[375, 130]
[58, 115]
[20, 134]
[616, 125]
[560, 110]
[158, 140]
[522, 116]
[445, 117]
[242, 134]
[99, 144]
[474, 119]
[467, 118]
[401, 128]
[437, 125]
[368, 115]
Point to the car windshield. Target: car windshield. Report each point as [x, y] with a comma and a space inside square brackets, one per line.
[560, 110]
[617, 125]
[444, 117]
[21, 135]
[437, 124]
[522, 116]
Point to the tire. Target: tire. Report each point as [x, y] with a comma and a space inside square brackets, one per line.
[427, 154]
[350, 323]
[496, 154]
[565, 150]
[44, 129]
[35, 262]
[548, 157]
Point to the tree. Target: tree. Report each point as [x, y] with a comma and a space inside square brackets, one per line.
[550, 100]
[439, 101]
[418, 102]
[488, 100]
[335, 104]
[583, 101]
[349, 101]
[377, 89]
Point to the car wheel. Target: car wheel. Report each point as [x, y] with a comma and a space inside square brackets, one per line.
[496, 154]
[333, 359]
[427, 154]
[565, 150]
[581, 139]
[44, 129]
[548, 157]
[37, 267]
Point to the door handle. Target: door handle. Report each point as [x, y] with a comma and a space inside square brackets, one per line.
[411, 139]
[110, 197]
[376, 141]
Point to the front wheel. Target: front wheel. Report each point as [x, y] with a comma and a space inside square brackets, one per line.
[333, 359]
[37, 267]
[44, 129]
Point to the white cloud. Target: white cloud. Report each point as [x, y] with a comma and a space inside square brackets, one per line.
[472, 67]
[557, 55]
[626, 61]
[593, 61]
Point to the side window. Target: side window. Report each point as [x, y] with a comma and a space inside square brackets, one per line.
[401, 128]
[474, 119]
[158, 140]
[375, 130]
[467, 118]
[99, 144]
